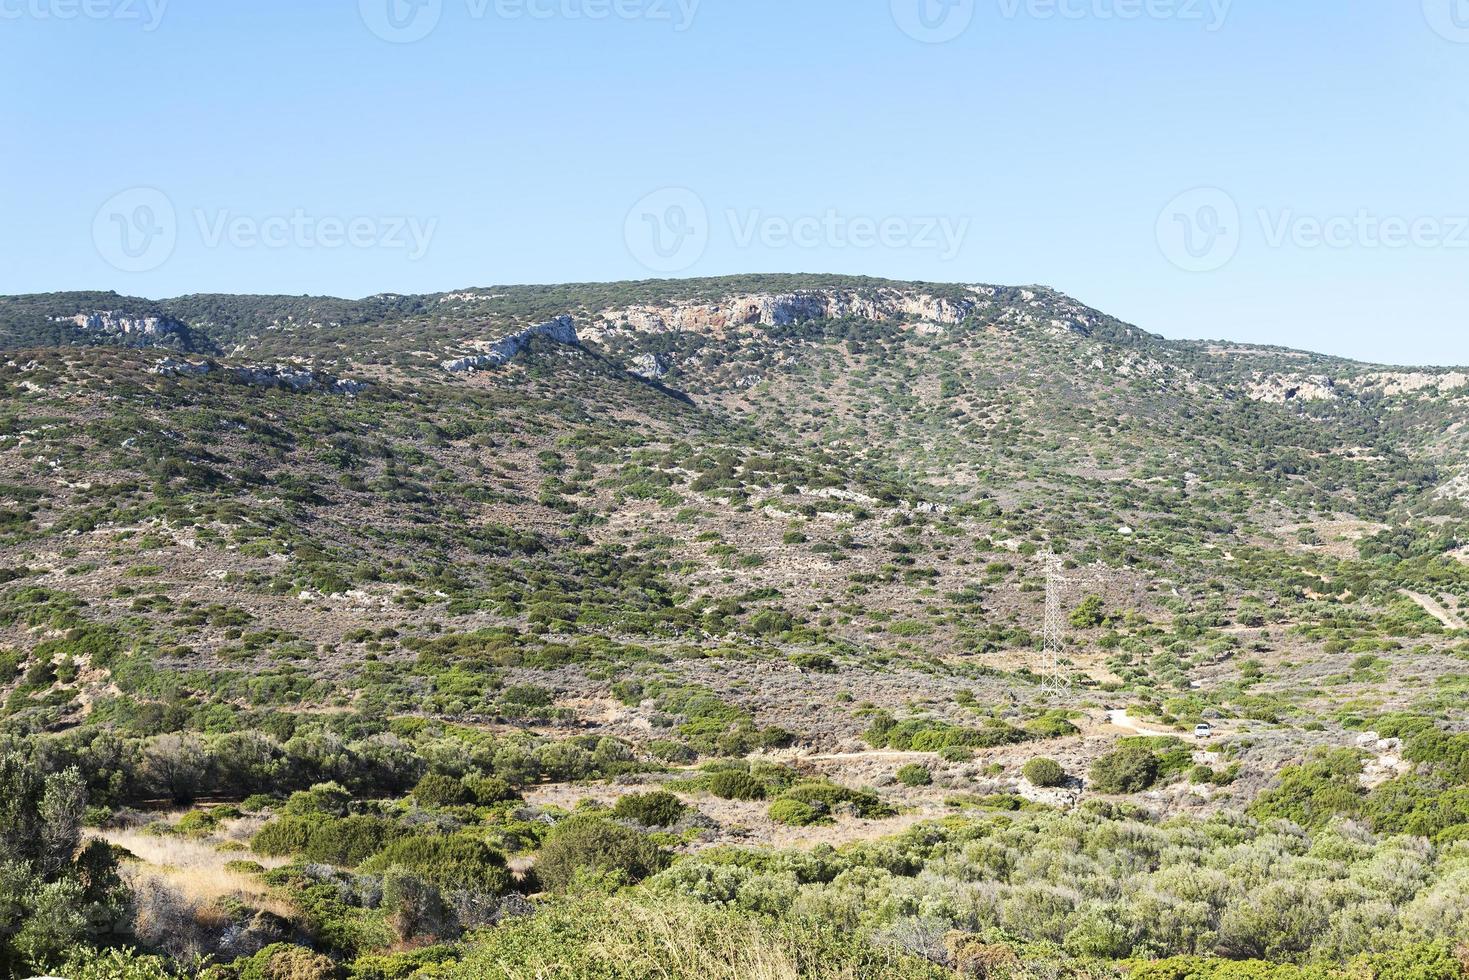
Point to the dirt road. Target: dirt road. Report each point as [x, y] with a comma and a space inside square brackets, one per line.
[1436, 609]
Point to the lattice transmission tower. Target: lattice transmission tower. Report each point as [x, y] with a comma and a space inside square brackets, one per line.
[1054, 634]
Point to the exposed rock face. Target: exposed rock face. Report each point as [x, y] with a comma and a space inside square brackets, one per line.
[145, 330]
[778, 310]
[1280, 389]
[561, 330]
[261, 376]
[654, 367]
[1413, 382]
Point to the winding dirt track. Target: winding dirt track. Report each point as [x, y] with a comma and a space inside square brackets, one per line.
[1436, 609]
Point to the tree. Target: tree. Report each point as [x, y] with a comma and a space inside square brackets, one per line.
[175, 766]
[1089, 614]
[55, 894]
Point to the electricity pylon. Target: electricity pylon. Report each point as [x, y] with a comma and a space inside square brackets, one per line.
[1054, 634]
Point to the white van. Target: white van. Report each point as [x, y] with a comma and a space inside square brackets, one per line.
[1203, 731]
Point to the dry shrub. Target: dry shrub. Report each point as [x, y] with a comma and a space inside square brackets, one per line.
[975, 958]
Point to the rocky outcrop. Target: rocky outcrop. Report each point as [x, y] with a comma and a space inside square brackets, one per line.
[561, 330]
[654, 367]
[785, 309]
[1413, 382]
[146, 331]
[284, 376]
[1280, 389]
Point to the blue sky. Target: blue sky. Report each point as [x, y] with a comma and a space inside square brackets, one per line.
[1256, 170]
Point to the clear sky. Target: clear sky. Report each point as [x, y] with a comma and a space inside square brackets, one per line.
[1281, 171]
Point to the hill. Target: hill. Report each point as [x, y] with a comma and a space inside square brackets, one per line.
[540, 548]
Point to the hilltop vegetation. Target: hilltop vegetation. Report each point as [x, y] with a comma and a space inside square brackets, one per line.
[334, 647]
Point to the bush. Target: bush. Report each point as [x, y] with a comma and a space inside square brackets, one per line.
[350, 841]
[489, 790]
[439, 790]
[658, 809]
[283, 961]
[1311, 794]
[457, 862]
[824, 797]
[1043, 772]
[282, 837]
[329, 799]
[674, 753]
[1130, 769]
[582, 848]
[732, 784]
[915, 775]
[794, 813]
[605, 938]
[115, 964]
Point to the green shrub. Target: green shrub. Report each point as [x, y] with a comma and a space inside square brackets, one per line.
[818, 663]
[599, 938]
[283, 961]
[915, 775]
[1043, 772]
[351, 840]
[825, 797]
[1311, 794]
[794, 813]
[1130, 769]
[115, 964]
[671, 752]
[584, 849]
[454, 862]
[330, 799]
[435, 789]
[489, 790]
[283, 837]
[732, 784]
[1051, 726]
[658, 809]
